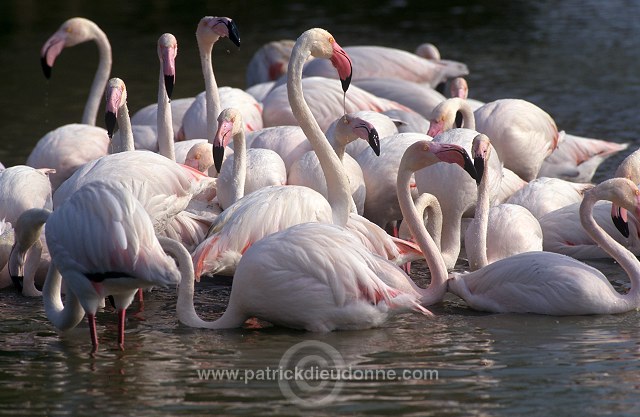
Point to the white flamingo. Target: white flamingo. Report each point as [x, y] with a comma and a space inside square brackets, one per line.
[23, 188]
[112, 250]
[544, 195]
[554, 284]
[281, 279]
[261, 167]
[70, 146]
[307, 171]
[500, 231]
[200, 119]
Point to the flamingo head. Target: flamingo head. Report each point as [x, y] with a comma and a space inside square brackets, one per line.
[480, 149]
[620, 219]
[323, 45]
[167, 52]
[229, 124]
[200, 156]
[459, 88]
[72, 32]
[445, 116]
[425, 153]
[213, 28]
[624, 196]
[116, 97]
[352, 127]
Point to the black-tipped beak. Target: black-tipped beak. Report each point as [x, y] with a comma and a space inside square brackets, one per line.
[110, 122]
[346, 82]
[169, 82]
[218, 156]
[374, 141]
[234, 34]
[621, 225]
[17, 282]
[46, 69]
[478, 165]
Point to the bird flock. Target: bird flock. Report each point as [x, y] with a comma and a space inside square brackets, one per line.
[314, 189]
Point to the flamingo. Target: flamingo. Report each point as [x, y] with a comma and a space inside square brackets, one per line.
[23, 188]
[269, 62]
[555, 284]
[112, 251]
[399, 64]
[307, 171]
[275, 208]
[501, 231]
[628, 168]
[200, 119]
[311, 276]
[438, 179]
[261, 167]
[70, 146]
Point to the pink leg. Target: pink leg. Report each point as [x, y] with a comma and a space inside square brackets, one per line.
[121, 317]
[92, 331]
[140, 300]
[407, 268]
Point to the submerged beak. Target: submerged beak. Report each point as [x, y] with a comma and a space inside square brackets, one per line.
[342, 64]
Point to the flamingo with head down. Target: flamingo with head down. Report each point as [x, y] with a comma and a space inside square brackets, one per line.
[112, 250]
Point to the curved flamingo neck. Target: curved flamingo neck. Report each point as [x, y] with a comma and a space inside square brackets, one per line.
[622, 255]
[450, 243]
[239, 164]
[185, 309]
[468, 118]
[101, 77]
[212, 96]
[437, 267]
[338, 193]
[164, 124]
[64, 316]
[477, 246]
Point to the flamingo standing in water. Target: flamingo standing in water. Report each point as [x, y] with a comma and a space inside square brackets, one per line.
[319, 277]
[554, 284]
[103, 243]
[70, 146]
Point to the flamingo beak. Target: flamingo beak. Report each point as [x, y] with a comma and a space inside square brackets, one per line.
[455, 154]
[435, 128]
[366, 131]
[374, 141]
[342, 63]
[169, 68]
[234, 34]
[478, 165]
[49, 52]
[619, 217]
[223, 136]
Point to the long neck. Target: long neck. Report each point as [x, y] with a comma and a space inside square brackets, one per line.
[239, 164]
[338, 193]
[63, 316]
[468, 118]
[622, 255]
[185, 309]
[125, 131]
[437, 268]
[164, 123]
[477, 245]
[100, 79]
[429, 206]
[450, 244]
[211, 89]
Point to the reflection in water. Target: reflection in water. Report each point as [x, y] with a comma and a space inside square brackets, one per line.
[577, 60]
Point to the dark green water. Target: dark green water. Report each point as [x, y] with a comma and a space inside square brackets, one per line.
[579, 60]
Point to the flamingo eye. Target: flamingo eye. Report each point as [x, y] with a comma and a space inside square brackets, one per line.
[331, 40]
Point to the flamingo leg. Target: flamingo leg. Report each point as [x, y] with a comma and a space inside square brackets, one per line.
[121, 319]
[92, 331]
[140, 298]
